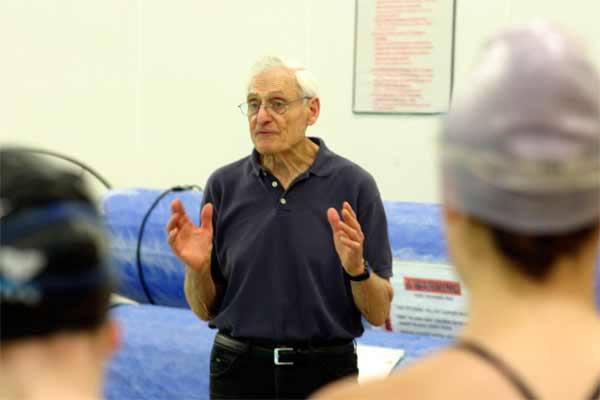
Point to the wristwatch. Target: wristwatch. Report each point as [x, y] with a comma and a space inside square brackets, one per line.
[363, 276]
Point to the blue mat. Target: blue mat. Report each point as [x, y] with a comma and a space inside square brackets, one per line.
[414, 229]
[159, 270]
[165, 353]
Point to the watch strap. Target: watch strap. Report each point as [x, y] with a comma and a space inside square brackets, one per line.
[363, 276]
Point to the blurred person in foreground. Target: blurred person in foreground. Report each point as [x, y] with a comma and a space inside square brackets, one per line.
[521, 179]
[55, 283]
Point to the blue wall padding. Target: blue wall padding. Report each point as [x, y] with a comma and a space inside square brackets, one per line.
[415, 231]
[162, 271]
[415, 234]
[165, 353]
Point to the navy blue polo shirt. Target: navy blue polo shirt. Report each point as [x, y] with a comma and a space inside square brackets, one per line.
[274, 253]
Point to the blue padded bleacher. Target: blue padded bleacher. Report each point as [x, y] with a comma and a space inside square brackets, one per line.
[158, 279]
[414, 229]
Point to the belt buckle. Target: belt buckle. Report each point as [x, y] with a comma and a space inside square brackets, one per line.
[276, 356]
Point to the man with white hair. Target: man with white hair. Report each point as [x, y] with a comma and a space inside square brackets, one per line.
[274, 266]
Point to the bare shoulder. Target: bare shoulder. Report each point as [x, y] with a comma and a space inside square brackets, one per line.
[446, 374]
[408, 382]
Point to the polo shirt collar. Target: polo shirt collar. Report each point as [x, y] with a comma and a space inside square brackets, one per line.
[322, 166]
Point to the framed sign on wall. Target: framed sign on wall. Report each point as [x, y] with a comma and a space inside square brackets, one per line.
[403, 56]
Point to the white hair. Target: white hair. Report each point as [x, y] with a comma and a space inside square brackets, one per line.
[305, 79]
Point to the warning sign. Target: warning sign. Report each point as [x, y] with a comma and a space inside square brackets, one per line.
[428, 299]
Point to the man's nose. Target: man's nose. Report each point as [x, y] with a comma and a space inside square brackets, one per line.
[263, 115]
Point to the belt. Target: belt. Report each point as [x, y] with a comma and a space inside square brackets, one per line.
[282, 354]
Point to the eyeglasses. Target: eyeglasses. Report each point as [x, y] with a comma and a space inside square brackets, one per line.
[278, 106]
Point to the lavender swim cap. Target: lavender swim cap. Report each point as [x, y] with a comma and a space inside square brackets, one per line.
[521, 146]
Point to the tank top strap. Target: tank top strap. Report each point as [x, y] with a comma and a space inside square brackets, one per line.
[499, 365]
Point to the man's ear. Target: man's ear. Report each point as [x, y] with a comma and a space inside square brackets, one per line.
[314, 109]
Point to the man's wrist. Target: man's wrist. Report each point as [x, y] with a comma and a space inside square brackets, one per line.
[361, 276]
[356, 269]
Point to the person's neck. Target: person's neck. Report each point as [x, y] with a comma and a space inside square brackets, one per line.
[34, 369]
[506, 304]
[286, 166]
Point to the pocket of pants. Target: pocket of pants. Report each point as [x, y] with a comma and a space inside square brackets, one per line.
[222, 360]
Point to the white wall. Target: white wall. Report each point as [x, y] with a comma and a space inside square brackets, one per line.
[145, 91]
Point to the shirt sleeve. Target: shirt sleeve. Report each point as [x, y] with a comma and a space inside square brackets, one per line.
[373, 222]
[209, 197]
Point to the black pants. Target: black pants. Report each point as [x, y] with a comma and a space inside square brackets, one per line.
[248, 374]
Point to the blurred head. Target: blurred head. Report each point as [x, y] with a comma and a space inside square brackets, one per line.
[54, 272]
[282, 101]
[521, 147]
